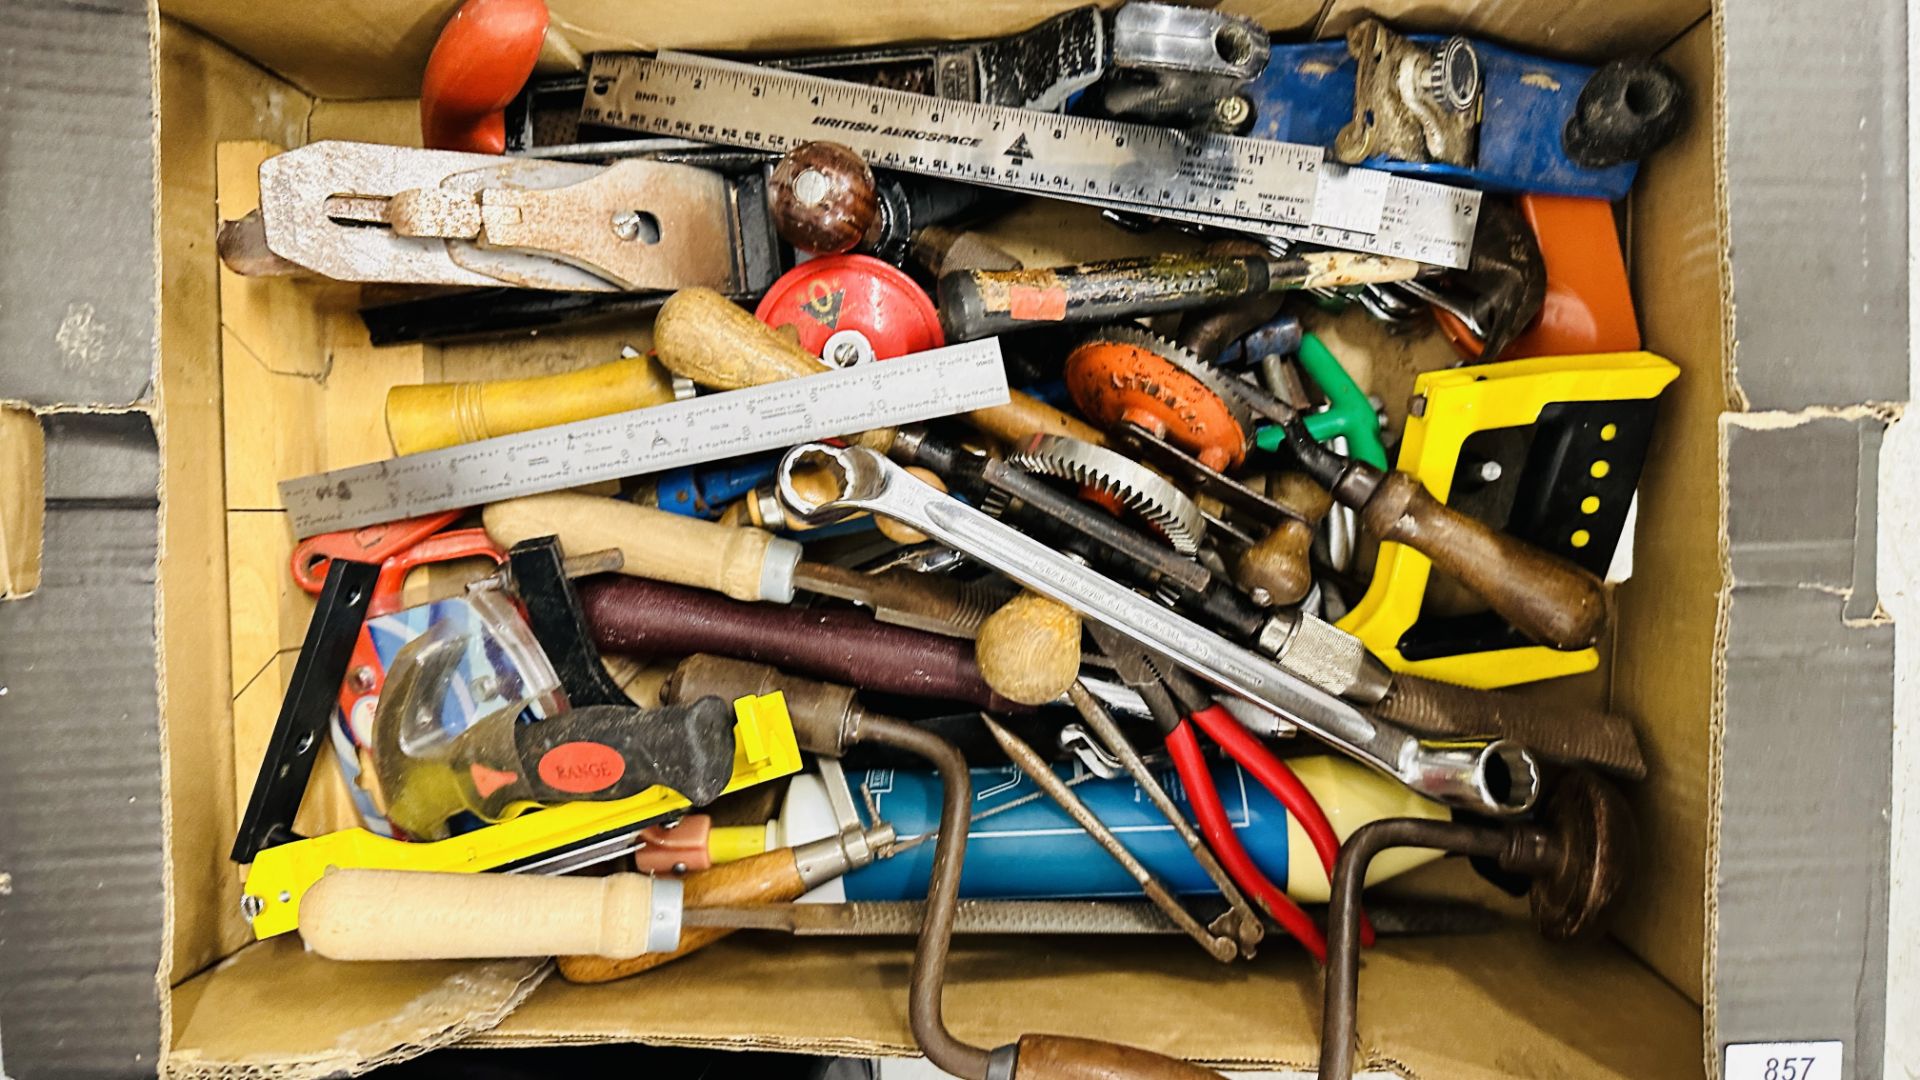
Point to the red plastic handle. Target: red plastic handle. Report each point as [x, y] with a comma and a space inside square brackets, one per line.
[485, 54]
[314, 556]
[446, 547]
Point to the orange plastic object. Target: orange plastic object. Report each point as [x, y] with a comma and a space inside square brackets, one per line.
[1589, 304]
[485, 54]
[1115, 383]
[314, 556]
[445, 547]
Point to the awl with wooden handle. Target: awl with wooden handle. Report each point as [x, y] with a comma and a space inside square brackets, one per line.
[743, 563]
[703, 336]
[604, 928]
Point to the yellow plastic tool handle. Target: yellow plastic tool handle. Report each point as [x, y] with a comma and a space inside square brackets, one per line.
[764, 748]
[446, 414]
[411, 915]
[746, 564]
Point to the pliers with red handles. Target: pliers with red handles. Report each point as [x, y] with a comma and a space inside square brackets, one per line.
[1179, 705]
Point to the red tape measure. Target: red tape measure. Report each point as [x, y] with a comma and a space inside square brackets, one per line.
[852, 309]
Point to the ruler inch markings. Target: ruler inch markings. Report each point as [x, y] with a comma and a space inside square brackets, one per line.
[1256, 185]
[922, 386]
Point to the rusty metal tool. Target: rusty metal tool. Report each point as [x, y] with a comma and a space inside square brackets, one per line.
[1239, 922]
[980, 303]
[1220, 946]
[363, 212]
[1491, 776]
[1179, 65]
[1032, 1057]
[1243, 184]
[1578, 857]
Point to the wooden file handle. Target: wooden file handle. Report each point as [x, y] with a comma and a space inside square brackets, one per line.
[771, 877]
[746, 564]
[1029, 650]
[1544, 596]
[413, 915]
[703, 336]
[1061, 1057]
[447, 414]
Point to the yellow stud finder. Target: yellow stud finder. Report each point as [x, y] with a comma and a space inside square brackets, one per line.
[1549, 450]
[764, 749]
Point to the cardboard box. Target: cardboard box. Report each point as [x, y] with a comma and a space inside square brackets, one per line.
[261, 379]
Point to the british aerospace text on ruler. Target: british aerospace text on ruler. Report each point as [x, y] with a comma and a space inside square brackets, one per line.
[743, 105]
[1280, 189]
[938, 382]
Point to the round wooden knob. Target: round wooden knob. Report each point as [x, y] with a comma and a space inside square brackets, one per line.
[1029, 650]
[1278, 564]
[823, 198]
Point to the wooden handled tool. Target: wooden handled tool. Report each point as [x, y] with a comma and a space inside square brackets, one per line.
[411, 915]
[1029, 650]
[981, 303]
[767, 878]
[1548, 598]
[823, 198]
[446, 414]
[743, 563]
[632, 616]
[703, 336]
[746, 564]
[1545, 597]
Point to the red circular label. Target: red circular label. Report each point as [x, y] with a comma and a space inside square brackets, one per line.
[581, 767]
[824, 296]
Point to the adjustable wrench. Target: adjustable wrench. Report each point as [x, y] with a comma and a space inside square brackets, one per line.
[1489, 776]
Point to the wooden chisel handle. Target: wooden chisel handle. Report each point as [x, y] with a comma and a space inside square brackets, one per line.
[703, 336]
[768, 878]
[1544, 596]
[649, 618]
[413, 915]
[746, 564]
[429, 417]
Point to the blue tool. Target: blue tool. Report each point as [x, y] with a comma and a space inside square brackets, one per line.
[1525, 103]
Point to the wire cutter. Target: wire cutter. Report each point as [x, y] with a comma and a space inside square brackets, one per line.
[1179, 706]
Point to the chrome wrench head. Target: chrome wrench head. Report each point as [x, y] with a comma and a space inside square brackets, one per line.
[1488, 776]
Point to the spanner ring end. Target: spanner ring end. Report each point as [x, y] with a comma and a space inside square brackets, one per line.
[846, 470]
[1494, 777]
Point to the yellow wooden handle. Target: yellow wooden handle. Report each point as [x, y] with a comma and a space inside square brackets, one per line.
[447, 414]
[412, 915]
[746, 564]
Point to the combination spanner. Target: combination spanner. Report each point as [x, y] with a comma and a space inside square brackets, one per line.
[1493, 776]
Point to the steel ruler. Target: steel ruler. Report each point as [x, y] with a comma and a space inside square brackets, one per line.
[1258, 185]
[922, 386]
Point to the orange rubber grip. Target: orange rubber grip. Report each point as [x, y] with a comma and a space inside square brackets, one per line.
[484, 55]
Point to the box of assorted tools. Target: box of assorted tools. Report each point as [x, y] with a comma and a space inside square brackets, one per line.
[1118, 540]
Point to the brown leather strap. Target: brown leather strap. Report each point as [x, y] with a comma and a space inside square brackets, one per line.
[649, 618]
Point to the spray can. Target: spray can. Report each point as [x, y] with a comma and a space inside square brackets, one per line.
[1035, 851]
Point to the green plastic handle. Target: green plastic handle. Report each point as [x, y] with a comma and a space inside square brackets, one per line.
[1348, 411]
